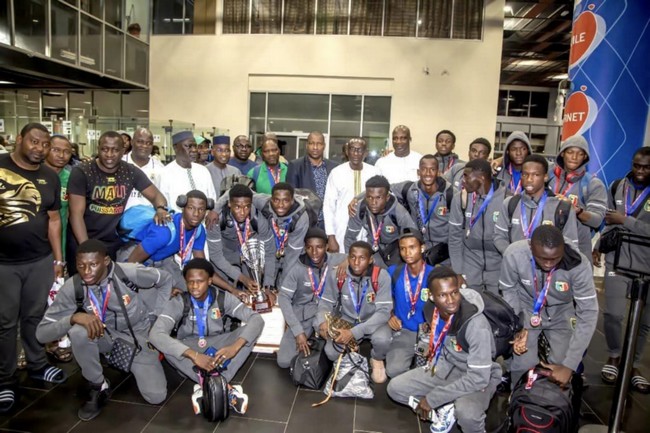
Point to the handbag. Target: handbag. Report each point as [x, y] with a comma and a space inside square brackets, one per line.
[610, 240]
[123, 351]
[352, 378]
[311, 371]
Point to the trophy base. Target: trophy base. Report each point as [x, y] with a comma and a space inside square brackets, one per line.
[262, 307]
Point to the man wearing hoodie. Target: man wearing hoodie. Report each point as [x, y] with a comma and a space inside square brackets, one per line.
[460, 375]
[382, 218]
[445, 143]
[474, 211]
[480, 148]
[586, 193]
[522, 213]
[631, 201]
[517, 149]
[550, 285]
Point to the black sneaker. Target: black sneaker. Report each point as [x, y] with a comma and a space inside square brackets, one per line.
[96, 400]
[505, 385]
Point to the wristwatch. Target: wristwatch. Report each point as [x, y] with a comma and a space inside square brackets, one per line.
[59, 263]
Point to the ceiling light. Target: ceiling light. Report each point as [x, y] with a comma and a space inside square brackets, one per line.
[508, 10]
[6, 82]
[559, 77]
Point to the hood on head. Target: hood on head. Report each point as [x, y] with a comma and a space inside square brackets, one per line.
[515, 135]
[575, 141]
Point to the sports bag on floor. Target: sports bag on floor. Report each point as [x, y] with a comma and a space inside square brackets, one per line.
[312, 370]
[214, 404]
[351, 379]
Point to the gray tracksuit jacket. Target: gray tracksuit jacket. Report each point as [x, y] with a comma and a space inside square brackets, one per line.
[476, 255]
[224, 248]
[584, 190]
[510, 231]
[375, 307]
[455, 175]
[297, 299]
[446, 162]
[638, 222]
[172, 313]
[394, 218]
[571, 284]
[436, 231]
[466, 370]
[56, 322]
[503, 177]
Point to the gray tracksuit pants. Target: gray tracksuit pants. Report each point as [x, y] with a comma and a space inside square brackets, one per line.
[146, 368]
[185, 365]
[288, 350]
[617, 288]
[379, 340]
[401, 351]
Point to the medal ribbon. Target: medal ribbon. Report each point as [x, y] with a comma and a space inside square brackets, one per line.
[357, 302]
[516, 189]
[247, 232]
[94, 302]
[317, 288]
[376, 232]
[436, 342]
[484, 206]
[540, 297]
[537, 216]
[630, 208]
[411, 297]
[201, 314]
[186, 250]
[274, 177]
[426, 216]
[281, 234]
[451, 162]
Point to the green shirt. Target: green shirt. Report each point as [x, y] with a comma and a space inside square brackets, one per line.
[64, 175]
[264, 181]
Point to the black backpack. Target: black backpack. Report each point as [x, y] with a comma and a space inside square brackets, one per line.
[214, 403]
[229, 323]
[232, 180]
[312, 370]
[538, 405]
[561, 211]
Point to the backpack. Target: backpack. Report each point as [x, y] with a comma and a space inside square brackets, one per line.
[561, 211]
[229, 323]
[214, 403]
[449, 195]
[374, 280]
[312, 370]
[226, 219]
[136, 220]
[232, 180]
[503, 321]
[541, 406]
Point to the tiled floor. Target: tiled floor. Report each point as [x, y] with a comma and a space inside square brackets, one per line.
[276, 406]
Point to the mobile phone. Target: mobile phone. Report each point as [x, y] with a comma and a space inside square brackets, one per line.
[413, 402]
[210, 351]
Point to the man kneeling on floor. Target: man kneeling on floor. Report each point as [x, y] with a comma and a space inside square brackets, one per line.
[362, 298]
[89, 308]
[192, 332]
[460, 373]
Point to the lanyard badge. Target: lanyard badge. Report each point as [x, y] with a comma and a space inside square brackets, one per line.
[516, 189]
[100, 309]
[317, 288]
[537, 216]
[357, 302]
[630, 208]
[201, 314]
[274, 177]
[540, 297]
[481, 210]
[412, 298]
[186, 250]
[243, 237]
[436, 340]
[281, 235]
[425, 216]
[376, 232]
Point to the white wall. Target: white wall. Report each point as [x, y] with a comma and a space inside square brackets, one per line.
[206, 79]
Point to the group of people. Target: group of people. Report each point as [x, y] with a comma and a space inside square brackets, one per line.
[402, 250]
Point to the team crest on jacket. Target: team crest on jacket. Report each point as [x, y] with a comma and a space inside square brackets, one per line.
[126, 299]
[547, 223]
[424, 294]
[370, 297]
[215, 314]
[574, 199]
[561, 286]
[390, 229]
[441, 211]
[495, 216]
[455, 344]
[646, 206]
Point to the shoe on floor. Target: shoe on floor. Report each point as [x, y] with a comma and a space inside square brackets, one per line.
[640, 384]
[197, 397]
[446, 419]
[96, 400]
[7, 399]
[506, 383]
[378, 374]
[237, 399]
[50, 374]
[609, 374]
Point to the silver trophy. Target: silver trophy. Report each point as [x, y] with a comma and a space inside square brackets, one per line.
[252, 252]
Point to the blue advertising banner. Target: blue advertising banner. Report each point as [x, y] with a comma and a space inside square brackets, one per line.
[609, 67]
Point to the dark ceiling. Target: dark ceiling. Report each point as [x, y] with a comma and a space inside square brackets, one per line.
[536, 42]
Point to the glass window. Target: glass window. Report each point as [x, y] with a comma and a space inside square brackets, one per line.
[29, 18]
[64, 33]
[376, 122]
[235, 16]
[93, 7]
[79, 103]
[136, 60]
[468, 19]
[257, 113]
[114, 13]
[135, 104]
[5, 31]
[539, 102]
[8, 111]
[366, 17]
[138, 17]
[345, 117]
[435, 19]
[288, 112]
[299, 17]
[518, 103]
[266, 16]
[91, 43]
[400, 18]
[168, 17]
[106, 103]
[503, 103]
[332, 17]
[53, 104]
[27, 107]
[114, 52]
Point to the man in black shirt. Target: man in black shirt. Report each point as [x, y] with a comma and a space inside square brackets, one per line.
[99, 190]
[30, 257]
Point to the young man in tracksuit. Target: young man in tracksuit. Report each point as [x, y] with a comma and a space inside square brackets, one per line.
[586, 193]
[93, 330]
[360, 303]
[197, 318]
[631, 204]
[537, 205]
[460, 372]
[382, 217]
[445, 143]
[474, 211]
[300, 293]
[509, 175]
[410, 293]
[239, 221]
[550, 285]
[480, 148]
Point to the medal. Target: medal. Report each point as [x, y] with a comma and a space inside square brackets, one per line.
[423, 230]
[467, 234]
[202, 343]
[413, 295]
[279, 254]
[433, 370]
[376, 232]
[317, 287]
[100, 309]
[201, 314]
[281, 235]
[535, 320]
[375, 247]
[540, 297]
[243, 237]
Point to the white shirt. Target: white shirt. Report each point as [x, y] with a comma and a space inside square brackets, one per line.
[153, 170]
[175, 181]
[399, 169]
[339, 192]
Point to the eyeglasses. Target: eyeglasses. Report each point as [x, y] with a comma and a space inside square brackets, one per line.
[356, 149]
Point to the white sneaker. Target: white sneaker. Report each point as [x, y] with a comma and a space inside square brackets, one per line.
[197, 396]
[237, 399]
[378, 374]
[445, 419]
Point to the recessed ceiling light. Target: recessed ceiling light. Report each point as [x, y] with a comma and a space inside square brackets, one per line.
[6, 82]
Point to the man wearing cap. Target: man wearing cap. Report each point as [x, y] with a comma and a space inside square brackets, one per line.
[480, 148]
[182, 175]
[219, 168]
[140, 156]
[203, 156]
[242, 149]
